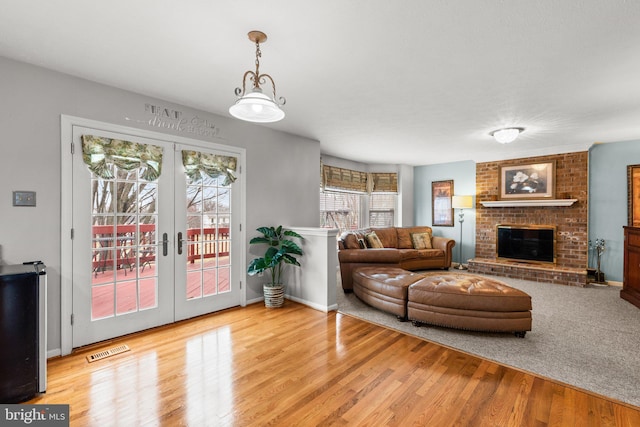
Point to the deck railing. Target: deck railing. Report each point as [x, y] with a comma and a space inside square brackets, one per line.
[209, 242]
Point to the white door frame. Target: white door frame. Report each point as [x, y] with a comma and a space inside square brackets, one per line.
[66, 215]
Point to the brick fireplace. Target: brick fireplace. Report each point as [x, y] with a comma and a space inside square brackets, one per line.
[571, 182]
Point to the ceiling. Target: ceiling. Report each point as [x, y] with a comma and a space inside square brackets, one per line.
[415, 82]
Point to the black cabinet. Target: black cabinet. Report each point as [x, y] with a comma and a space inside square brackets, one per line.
[22, 332]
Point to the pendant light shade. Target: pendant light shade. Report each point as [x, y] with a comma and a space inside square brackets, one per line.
[253, 105]
[257, 107]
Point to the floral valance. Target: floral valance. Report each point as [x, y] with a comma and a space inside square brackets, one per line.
[99, 152]
[212, 165]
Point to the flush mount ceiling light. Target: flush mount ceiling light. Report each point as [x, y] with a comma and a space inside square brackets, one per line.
[255, 106]
[506, 135]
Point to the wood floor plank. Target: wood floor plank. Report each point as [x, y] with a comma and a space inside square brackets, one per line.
[297, 366]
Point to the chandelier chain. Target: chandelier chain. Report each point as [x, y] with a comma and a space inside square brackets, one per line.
[256, 82]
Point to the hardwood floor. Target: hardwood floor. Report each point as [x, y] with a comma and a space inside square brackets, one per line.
[296, 366]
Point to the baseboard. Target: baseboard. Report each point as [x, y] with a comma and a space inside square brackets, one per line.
[313, 305]
[255, 300]
[54, 353]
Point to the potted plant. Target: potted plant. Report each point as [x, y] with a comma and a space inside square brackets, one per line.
[280, 251]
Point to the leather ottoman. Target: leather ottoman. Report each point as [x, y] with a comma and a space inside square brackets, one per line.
[384, 288]
[465, 301]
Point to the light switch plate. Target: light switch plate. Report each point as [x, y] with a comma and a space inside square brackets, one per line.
[24, 198]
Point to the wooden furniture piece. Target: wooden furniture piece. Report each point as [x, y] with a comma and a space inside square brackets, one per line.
[631, 280]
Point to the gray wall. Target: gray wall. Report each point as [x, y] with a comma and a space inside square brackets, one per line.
[463, 175]
[280, 187]
[608, 201]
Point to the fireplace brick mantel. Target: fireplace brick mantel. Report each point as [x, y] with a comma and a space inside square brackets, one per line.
[571, 221]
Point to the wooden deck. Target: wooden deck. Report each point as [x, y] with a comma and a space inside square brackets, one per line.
[129, 296]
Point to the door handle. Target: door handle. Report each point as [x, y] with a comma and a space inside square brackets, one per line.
[180, 243]
[165, 244]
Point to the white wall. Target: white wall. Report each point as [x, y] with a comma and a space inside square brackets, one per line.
[282, 173]
[315, 283]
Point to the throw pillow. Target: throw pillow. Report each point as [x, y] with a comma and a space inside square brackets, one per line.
[373, 240]
[421, 240]
[350, 241]
[362, 243]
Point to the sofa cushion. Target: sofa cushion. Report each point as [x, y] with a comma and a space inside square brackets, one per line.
[388, 237]
[369, 256]
[373, 241]
[421, 240]
[404, 235]
[468, 292]
[407, 254]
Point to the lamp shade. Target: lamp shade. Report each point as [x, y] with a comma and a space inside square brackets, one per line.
[462, 202]
[256, 107]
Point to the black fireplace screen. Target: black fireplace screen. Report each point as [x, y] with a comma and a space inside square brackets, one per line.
[526, 243]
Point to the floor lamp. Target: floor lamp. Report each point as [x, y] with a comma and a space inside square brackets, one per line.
[462, 203]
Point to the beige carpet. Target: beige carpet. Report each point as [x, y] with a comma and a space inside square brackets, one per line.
[586, 337]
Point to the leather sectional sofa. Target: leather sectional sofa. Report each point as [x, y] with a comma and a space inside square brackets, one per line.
[402, 247]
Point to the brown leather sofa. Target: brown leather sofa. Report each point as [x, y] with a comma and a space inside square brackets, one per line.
[397, 251]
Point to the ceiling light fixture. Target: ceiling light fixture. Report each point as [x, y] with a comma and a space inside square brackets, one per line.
[255, 106]
[506, 135]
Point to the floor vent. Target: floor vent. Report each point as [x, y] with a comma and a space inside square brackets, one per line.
[107, 353]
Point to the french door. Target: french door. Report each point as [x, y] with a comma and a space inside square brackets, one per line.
[149, 248]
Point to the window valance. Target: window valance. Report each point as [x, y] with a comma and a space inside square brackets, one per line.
[212, 165]
[384, 182]
[99, 152]
[343, 179]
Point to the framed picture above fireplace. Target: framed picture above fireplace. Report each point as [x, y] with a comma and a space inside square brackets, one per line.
[528, 181]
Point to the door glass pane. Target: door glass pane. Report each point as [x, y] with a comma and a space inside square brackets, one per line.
[124, 244]
[208, 236]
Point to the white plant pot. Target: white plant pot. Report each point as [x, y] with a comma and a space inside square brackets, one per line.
[273, 295]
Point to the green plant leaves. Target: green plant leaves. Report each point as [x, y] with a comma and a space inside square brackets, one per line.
[281, 250]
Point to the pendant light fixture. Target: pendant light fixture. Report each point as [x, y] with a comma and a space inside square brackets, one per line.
[506, 135]
[254, 105]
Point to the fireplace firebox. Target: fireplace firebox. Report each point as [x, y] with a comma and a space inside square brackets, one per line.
[530, 243]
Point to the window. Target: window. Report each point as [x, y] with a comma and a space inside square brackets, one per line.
[382, 210]
[339, 210]
[351, 199]
[351, 211]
